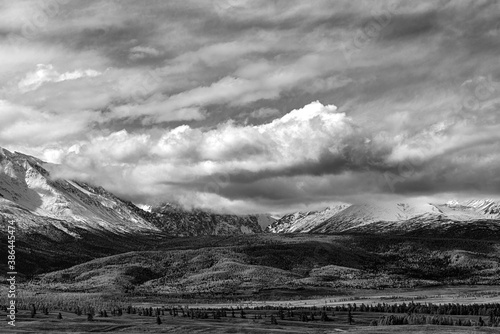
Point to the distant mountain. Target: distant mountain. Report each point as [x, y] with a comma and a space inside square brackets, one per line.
[303, 221]
[432, 226]
[174, 220]
[407, 217]
[460, 218]
[471, 209]
[368, 213]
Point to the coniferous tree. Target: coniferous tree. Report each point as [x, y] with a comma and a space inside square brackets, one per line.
[32, 310]
[350, 318]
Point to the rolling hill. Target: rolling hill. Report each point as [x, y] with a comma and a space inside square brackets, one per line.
[252, 266]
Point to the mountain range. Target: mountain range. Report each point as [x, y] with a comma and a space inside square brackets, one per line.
[394, 217]
[39, 203]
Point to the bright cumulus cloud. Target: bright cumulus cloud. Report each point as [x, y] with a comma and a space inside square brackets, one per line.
[257, 106]
[301, 135]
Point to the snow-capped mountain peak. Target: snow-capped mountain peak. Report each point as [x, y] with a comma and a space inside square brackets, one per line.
[384, 215]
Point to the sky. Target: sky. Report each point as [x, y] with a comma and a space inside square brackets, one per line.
[257, 106]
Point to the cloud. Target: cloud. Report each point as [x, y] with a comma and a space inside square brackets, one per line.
[209, 103]
[46, 73]
[19, 124]
[140, 52]
[264, 113]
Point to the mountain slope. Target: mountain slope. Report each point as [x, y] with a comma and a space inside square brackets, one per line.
[29, 196]
[265, 220]
[174, 220]
[479, 217]
[368, 213]
[304, 221]
[410, 217]
[433, 226]
[471, 209]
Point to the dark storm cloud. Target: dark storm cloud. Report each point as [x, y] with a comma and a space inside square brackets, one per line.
[352, 158]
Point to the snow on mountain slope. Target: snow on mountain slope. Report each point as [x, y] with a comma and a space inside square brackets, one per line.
[384, 216]
[471, 209]
[367, 213]
[304, 221]
[26, 188]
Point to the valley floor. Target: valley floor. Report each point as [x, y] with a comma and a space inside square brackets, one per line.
[72, 323]
[465, 295]
[338, 323]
